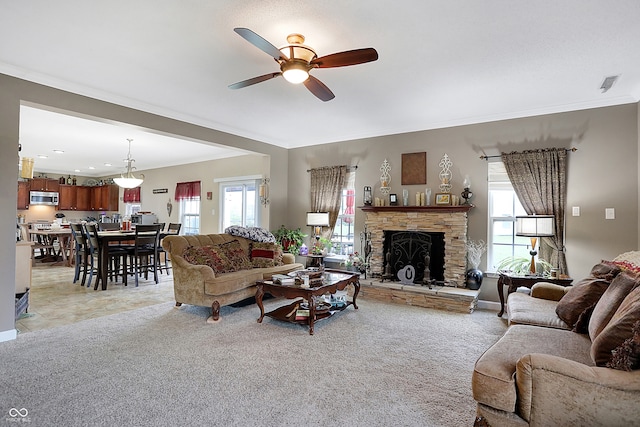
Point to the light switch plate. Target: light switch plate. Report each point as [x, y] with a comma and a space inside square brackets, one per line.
[609, 213]
[575, 211]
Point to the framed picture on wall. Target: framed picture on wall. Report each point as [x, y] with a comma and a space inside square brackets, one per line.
[414, 168]
[443, 199]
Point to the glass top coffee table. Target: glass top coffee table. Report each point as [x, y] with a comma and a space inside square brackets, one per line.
[331, 281]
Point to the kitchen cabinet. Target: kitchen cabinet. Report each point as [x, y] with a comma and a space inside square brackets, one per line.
[23, 194]
[68, 199]
[75, 198]
[105, 198]
[45, 184]
[83, 198]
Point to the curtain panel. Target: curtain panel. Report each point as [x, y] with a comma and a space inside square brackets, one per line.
[187, 190]
[539, 179]
[131, 195]
[326, 192]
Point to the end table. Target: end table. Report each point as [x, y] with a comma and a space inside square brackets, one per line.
[514, 282]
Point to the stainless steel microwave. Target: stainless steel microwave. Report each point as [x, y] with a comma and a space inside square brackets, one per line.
[43, 198]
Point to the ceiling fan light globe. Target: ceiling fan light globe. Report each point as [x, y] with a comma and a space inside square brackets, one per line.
[295, 75]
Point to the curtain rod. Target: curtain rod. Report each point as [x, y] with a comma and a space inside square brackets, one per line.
[572, 149]
[349, 168]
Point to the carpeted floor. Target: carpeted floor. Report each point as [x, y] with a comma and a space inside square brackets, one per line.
[381, 365]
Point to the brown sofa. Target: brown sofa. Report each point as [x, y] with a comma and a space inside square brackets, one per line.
[198, 284]
[543, 373]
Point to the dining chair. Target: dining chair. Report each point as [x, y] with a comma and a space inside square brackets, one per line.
[144, 253]
[117, 258]
[45, 247]
[81, 254]
[173, 228]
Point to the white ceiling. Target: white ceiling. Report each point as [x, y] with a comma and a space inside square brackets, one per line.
[442, 63]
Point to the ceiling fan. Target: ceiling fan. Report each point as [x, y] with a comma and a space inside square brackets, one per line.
[296, 60]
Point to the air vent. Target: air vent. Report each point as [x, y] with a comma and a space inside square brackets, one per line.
[608, 82]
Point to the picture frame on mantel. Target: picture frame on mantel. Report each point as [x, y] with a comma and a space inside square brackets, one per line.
[443, 199]
[414, 168]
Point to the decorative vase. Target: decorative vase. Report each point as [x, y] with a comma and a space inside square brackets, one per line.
[474, 279]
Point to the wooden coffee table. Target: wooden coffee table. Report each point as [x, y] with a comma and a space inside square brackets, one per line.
[334, 280]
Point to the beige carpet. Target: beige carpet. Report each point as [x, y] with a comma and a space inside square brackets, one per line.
[381, 365]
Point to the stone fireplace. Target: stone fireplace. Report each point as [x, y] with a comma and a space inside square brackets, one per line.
[451, 221]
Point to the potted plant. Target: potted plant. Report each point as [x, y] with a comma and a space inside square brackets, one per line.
[289, 239]
[520, 266]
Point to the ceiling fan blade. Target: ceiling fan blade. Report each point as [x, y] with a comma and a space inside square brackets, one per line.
[319, 89]
[260, 43]
[349, 57]
[253, 81]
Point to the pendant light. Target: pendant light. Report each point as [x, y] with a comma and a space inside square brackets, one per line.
[128, 180]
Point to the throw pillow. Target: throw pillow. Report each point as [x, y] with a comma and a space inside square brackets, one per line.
[277, 259]
[217, 260]
[603, 311]
[207, 255]
[627, 356]
[629, 261]
[238, 258]
[579, 298]
[618, 330]
[606, 270]
[263, 254]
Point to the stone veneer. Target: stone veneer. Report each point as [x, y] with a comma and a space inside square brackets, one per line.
[452, 220]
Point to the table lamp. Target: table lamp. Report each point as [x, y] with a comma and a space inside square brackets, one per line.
[534, 226]
[317, 220]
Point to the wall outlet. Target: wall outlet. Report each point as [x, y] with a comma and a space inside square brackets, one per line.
[609, 213]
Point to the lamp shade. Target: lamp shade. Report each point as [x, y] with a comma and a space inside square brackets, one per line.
[535, 226]
[318, 219]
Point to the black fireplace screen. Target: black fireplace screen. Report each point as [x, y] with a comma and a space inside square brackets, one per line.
[416, 248]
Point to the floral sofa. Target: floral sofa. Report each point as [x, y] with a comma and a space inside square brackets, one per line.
[569, 357]
[213, 270]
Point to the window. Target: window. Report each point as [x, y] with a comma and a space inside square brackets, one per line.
[188, 195]
[240, 203]
[190, 215]
[343, 233]
[504, 206]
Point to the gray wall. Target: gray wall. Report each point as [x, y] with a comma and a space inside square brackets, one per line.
[602, 173]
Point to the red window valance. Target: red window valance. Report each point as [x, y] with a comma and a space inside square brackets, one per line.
[187, 190]
[131, 195]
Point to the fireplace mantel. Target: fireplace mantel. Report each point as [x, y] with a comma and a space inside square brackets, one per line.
[423, 209]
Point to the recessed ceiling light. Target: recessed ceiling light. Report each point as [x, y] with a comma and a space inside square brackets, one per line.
[76, 170]
[42, 156]
[58, 151]
[91, 167]
[108, 164]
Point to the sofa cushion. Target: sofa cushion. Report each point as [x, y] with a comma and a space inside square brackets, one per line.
[579, 298]
[493, 381]
[263, 254]
[207, 255]
[608, 304]
[233, 282]
[528, 310]
[619, 329]
[238, 256]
